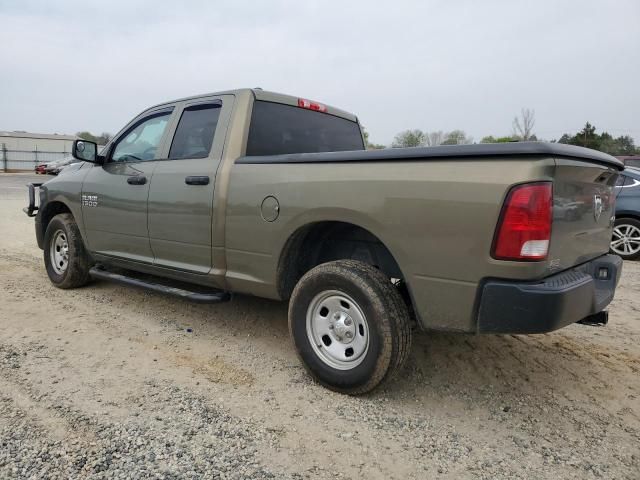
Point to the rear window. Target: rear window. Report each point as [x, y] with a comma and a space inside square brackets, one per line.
[279, 129]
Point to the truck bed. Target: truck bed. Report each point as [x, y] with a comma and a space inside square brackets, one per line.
[435, 209]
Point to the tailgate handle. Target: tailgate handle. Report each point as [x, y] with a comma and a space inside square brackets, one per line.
[197, 180]
[137, 180]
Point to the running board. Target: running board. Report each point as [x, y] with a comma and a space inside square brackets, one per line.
[216, 296]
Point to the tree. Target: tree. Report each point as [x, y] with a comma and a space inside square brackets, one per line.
[523, 126]
[587, 137]
[605, 142]
[104, 138]
[87, 136]
[410, 138]
[626, 146]
[565, 138]
[492, 139]
[433, 139]
[101, 139]
[457, 137]
[368, 145]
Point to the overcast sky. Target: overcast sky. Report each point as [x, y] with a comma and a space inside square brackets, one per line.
[67, 66]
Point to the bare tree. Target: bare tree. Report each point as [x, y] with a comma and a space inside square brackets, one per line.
[523, 125]
[434, 139]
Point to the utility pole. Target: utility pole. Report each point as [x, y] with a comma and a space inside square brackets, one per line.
[4, 157]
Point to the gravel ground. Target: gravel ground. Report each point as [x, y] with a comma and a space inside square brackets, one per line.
[106, 382]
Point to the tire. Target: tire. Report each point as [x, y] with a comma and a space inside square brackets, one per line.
[349, 305]
[626, 238]
[70, 270]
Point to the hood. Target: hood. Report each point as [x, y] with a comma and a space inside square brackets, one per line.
[71, 168]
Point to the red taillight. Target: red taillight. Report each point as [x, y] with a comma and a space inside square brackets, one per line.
[524, 230]
[308, 104]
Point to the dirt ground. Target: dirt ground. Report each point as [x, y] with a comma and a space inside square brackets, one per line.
[108, 382]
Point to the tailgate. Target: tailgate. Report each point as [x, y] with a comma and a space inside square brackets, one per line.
[583, 212]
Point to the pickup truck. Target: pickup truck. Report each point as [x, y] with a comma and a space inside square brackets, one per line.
[259, 193]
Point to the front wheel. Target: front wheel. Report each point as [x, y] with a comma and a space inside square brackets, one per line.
[626, 238]
[65, 257]
[350, 325]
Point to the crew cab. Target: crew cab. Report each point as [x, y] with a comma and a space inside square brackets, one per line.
[259, 193]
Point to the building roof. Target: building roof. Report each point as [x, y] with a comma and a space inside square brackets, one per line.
[47, 136]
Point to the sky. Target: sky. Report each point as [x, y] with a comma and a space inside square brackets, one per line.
[68, 66]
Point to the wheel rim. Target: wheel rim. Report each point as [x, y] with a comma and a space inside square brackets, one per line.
[337, 330]
[626, 239]
[59, 252]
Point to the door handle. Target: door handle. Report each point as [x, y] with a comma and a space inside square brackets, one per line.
[137, 180]
[197, 180]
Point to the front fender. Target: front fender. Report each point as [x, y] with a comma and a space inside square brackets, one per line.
[58, 195]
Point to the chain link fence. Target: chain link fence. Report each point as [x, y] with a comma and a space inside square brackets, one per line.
[26, 159]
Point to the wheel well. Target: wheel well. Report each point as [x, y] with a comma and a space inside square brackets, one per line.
[49, 211]
[627, 215]
[323, 242]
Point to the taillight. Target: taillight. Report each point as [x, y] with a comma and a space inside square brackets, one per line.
[308, 104]
[524, 229]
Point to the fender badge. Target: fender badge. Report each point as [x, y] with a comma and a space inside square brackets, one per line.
[597, 206]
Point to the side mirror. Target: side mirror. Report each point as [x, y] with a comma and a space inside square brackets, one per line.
[85, 150]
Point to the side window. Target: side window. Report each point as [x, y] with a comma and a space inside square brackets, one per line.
[194, 135]
[620, 181]
[141, 142]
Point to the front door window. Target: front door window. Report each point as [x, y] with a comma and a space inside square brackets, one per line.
[142, 141]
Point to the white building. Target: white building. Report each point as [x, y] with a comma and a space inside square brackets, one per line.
[24, 150]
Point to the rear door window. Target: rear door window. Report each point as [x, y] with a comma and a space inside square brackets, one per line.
[194, 135]
[280, 129]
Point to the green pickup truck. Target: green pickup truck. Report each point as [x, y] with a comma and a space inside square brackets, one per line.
[265, 194]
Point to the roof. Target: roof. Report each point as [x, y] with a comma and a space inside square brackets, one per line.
[265, 95]
[47, 136]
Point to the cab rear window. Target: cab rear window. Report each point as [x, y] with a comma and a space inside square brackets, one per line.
[280, 129]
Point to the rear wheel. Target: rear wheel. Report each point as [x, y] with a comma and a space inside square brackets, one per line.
[350, 325]
[65, 257]
[626, 238]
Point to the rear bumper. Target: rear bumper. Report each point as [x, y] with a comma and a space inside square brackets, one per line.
[550, 304]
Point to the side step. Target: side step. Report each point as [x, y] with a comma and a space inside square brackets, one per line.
[215, 296]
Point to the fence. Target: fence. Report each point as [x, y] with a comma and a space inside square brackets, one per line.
[26, 159]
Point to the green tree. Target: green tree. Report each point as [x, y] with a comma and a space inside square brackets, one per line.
[587, 137]
[457, 137]
[101, 139]
[87, 136]
[492, 139]
[605, 142]
[368, 145]
[410, 138]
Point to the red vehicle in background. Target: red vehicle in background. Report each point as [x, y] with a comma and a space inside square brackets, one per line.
[41, 169]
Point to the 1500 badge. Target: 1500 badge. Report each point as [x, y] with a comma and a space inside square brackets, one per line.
[89, 200]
